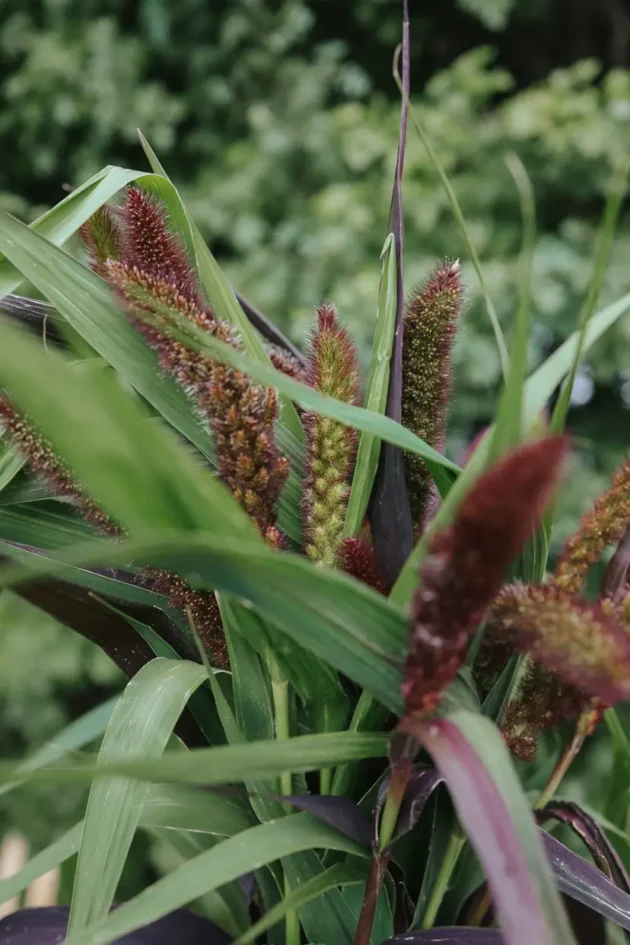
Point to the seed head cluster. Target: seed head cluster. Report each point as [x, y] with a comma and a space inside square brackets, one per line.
[331, 446]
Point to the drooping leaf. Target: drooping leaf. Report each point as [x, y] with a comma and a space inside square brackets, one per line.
[211, 869]
[581, 880]
[140, 726]
[592, 835]
[472, 757]
[349, 626]
[253, 761]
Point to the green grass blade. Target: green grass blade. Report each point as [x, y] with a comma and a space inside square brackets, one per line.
[140, 726]
[345, 623]
[62, 221]
[177, 807]
[76, 735]
[216, 287]
[341, 874]
[546, 378]
[253, 761]
[508, 429]
[601, 261]
[43, 862]
[250, 681]
[376, 394]
[210, 870]
[11, 462]
[134, 470]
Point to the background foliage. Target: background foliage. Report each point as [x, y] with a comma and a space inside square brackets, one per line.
[279, 120]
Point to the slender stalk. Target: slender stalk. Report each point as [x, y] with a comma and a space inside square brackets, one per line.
[381, 856]
[280, 695]
[453, 851]
[583, 729]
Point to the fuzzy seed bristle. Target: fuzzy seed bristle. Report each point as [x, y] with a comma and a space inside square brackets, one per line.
[240, 415]
[358, 560]
[543, 701]
[286, 363]
[331, 446]
[430, 327]
[584, 643]
[101, 237]
[149, 245]
[467, 562]
[604, 525]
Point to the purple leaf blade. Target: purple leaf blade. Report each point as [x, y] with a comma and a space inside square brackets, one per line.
[448, 936]
[389, 509]
[580, 880]
[48, 926]
[423, 781]
[592, 835]
[472, 757]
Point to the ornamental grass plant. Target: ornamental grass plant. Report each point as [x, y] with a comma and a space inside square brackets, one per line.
[344, 650]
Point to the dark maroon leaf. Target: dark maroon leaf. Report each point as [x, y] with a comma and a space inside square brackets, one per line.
[80, 610]
[592, 835]
[338, 812]
[423, 781]
[112, 633]
[389, 511]
[448, 936]
[48, 927]
[582, 881]
[39, 316]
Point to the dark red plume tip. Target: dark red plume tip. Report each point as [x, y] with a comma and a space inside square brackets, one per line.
[467, 563]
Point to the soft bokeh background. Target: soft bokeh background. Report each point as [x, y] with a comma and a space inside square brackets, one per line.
[279, 122]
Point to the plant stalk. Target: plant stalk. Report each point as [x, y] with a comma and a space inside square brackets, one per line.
[583, 729]
[382, 853]
[453, 851]
[280, 695]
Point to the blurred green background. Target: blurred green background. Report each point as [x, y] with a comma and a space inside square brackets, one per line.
[279, 122]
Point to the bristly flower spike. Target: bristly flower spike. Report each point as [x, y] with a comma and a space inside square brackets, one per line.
[543, 701]
[430, 328]
[358, 559]
[40, 456]
[149, 245]
[331, 446]
[604, 525]
[240, 415]
[467, 563]
[584, 643]
[101, 237]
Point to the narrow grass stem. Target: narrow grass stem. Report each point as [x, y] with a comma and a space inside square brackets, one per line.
[451, 856]
[583, 728]
[280, 695]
